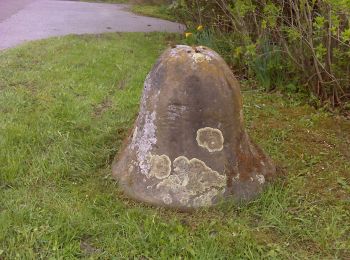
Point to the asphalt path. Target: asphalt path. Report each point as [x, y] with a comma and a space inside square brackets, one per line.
[27, 20]
[10, 7]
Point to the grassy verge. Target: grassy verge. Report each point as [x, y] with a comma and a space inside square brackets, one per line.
[107, 1]
[67, 103]
[152, 10]
[157, 11]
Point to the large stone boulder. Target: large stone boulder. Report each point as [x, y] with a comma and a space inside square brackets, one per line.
[188, 148]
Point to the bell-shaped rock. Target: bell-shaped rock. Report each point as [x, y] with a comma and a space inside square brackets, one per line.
[188, 148]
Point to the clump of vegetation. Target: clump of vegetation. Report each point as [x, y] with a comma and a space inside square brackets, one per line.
[298, 46]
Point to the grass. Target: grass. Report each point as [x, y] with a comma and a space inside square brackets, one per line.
[67, 103]
[157, 11]
[107, 1]
[151, 10]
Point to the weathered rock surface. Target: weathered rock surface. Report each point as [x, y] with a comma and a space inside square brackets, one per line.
[188, 148]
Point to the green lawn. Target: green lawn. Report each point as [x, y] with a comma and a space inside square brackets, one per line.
[107, 1]
[157, 11]
[67, 103]
[152, 10]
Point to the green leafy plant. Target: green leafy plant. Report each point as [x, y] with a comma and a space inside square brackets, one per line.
[276, 41]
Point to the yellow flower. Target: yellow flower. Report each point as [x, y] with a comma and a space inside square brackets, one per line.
[188, 34]
[200, 28]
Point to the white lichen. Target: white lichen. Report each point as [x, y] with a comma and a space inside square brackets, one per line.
[236, 178]
[210, 139]
[145, 141]
[191, 179]
[205, 199]
[211, 54]
[160, 166]
[174, 52]
[144, 136]
[167, 199]
[260, 178]
[200, 57]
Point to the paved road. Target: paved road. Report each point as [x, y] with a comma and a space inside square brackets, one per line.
[26, 20]
[8, 7]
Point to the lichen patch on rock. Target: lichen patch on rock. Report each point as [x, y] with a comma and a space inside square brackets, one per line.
[205, 199]
[192, 179]
[210, 138]
[145, 142]
[260, 178]
[200, 57]
[160, 166]
[167, 199]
